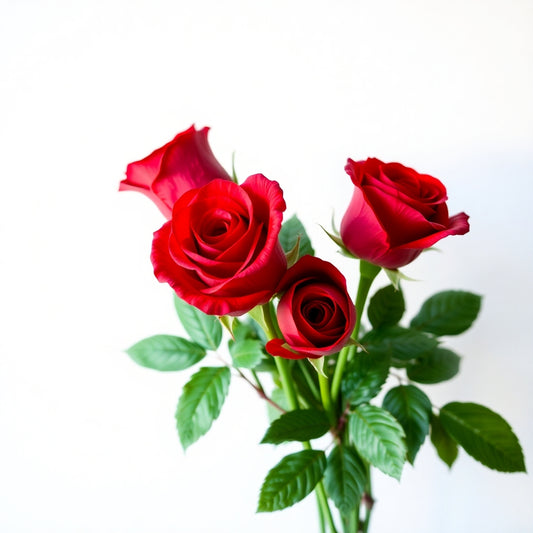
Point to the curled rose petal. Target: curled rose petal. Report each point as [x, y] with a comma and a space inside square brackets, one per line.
[184, 163]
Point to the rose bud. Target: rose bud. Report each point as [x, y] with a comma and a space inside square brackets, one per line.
[220, 251]
[315, 313]
[395, 213]
[184, 163]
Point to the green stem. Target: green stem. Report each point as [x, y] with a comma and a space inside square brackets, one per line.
[286, 382]
[368, 272]
[351, 522]
[271, 324]
[303, 364]
[292, 399]
[323, 502]
[369, 503]
[321, 522]
[258, 381]
[326, 399]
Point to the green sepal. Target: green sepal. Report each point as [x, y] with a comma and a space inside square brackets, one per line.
[293, 255]
[484, 435]
[258, 314]
[318, 365]
[293, 234]
[203, 329]
[228, 322]
[291, 480]
[412, 408]
[201, 402]
[233, 173]
[379, 438]
[395, 276]
[443, 443]
[299, 425]
[339, 242]
[166, 353]
[448, 313]
[345, 478]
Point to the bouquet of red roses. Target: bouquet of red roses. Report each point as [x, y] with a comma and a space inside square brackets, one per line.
[236, 266]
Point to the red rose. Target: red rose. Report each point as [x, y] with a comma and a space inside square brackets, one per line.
[315, 314]
[184, 163]
[220, 251]
[395, 213]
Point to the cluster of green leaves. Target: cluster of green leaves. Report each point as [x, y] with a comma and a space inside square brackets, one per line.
[364, 435]
[204, 394]
[387, 436]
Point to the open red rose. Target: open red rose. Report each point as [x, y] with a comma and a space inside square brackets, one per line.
[220, 251]
[184, 163]
[395, 213]
[315, 314]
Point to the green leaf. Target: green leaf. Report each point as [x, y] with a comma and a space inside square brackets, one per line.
[379, 438]
[448, 313]
[445, 446]
[363, 377]
[291, 480]
[246, 353]
[400, 344]
[166, 353]
[484, 435]
[288, 237]
[201, 402]
[412, 408]
[439, 365]
[204, 329]
[300, 425]
[345, 478]
[386, 307]
[248, 329]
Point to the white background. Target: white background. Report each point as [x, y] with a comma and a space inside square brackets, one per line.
[87, 441]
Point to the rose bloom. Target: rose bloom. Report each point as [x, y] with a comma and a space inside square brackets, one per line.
[184, 163]
[395, 213]
[220, 251]
[315, 314]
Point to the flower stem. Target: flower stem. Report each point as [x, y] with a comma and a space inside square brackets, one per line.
[326, 399]
[286, 382]
[292, 399]
[368, 272]
[369, 502]
[303, 364]
[321, 522]
[323, 503]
